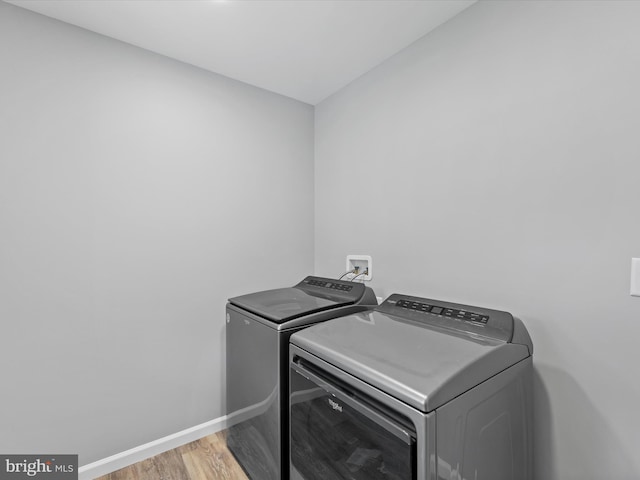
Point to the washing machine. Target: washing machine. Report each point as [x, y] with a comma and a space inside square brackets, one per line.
[417, 389]
[257, 381]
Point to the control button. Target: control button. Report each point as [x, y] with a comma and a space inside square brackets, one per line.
[403, 303]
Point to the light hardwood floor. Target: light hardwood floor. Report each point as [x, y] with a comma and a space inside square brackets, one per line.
[204, 459]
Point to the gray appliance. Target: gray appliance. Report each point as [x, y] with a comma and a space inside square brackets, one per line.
[417, 389]
[257, 371]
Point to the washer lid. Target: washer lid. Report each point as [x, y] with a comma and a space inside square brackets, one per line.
[311, 295]
[419, 363]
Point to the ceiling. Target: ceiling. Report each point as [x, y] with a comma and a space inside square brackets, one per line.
[304, 49]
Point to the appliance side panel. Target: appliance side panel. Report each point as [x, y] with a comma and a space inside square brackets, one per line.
[252, 356]
[486, 433]
[253, 399]
[283, 404]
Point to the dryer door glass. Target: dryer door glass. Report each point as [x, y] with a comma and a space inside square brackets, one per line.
[338, 434]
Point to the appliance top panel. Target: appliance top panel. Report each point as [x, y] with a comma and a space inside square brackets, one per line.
[421, 363]
[311, 295]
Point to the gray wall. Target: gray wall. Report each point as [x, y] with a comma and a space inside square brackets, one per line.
[136, 195]
[495, 162]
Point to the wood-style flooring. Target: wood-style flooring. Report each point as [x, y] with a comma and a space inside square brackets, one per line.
[204, 459]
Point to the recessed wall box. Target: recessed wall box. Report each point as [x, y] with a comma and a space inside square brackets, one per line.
[360, 268]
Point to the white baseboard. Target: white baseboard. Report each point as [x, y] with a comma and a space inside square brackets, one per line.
[142, 452]
[148, 450]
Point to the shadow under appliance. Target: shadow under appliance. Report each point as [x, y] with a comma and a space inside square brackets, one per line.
[417, 389]
[257, 371]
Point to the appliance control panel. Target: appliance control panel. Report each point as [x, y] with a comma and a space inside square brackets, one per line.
[334, 285]
[444, 311]
[336, 290]
[465, 319]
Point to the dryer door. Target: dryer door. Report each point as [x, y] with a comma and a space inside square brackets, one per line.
[337, 433]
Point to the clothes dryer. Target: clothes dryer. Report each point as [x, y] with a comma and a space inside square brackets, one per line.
[417, 389]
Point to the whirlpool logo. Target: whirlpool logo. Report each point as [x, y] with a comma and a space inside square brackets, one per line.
[335, 405]
[49, 467]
